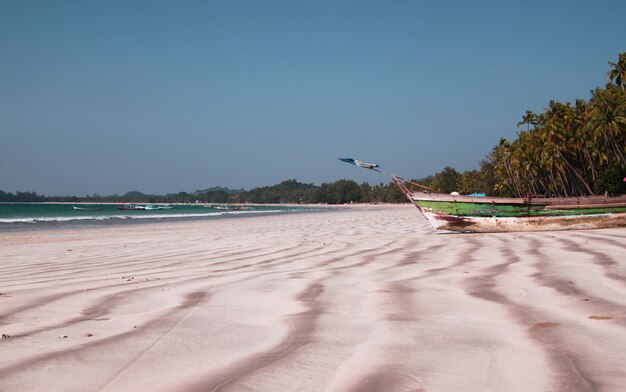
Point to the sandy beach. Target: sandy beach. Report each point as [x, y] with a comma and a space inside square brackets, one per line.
[357, 299]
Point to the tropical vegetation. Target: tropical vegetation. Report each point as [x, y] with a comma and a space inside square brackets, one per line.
[289, 191]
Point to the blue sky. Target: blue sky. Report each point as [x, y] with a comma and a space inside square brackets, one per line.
[107, 97]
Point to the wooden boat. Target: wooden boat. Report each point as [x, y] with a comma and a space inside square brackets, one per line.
[501, 214]
[87, 208]
[504, 214]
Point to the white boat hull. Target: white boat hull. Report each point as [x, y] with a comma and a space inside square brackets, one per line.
[513, 224]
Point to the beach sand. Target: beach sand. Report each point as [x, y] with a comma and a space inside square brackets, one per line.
[363, 298]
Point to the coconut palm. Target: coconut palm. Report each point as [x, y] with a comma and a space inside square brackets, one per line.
[528, 119]
[607, 123]
[618, 74]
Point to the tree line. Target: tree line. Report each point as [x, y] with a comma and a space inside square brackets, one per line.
[289, 191]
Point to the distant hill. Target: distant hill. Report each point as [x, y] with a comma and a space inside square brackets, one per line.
[289, 191]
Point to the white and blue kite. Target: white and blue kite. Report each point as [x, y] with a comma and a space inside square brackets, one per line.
[396, 179]
[359, 163]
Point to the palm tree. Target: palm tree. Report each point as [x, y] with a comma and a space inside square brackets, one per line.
[528, 119]
[618, 74]
[607, 122]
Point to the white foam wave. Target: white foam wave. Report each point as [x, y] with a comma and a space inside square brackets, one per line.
[150, 216]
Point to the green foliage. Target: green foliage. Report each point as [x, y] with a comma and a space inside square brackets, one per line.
[393, 194]
[610, 180]
[290, 191]
[469, 182]
[218, 189]
[617, 75]
[339, 192]
[21, 197]
[446, 180]
[214, 196]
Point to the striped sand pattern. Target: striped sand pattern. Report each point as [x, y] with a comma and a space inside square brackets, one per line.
[357, 299]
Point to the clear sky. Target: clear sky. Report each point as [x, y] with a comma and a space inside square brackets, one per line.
[160, 97]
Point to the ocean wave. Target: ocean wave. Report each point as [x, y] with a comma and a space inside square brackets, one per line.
[122, 217]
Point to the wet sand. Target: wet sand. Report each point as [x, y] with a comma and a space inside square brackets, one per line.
[360, 299]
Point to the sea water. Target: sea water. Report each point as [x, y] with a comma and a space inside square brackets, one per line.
[44, 215]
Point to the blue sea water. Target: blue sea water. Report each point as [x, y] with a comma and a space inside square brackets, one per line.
[39, 215]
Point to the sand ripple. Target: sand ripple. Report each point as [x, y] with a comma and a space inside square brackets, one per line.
[360, 299]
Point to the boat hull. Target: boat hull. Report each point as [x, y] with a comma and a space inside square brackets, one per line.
[489, 215]
[533, 223]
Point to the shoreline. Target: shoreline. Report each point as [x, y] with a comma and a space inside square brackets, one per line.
[74, 220]
[358, 298]
[42, 219]
[217, 204]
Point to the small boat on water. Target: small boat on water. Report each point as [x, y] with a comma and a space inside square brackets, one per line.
[229, 207]
[131, 207]
[482, 214]
[87, 208]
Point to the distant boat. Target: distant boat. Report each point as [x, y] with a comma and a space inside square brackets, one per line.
[227, 207]
[87, 208]
[131, 207]
[158, 207]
